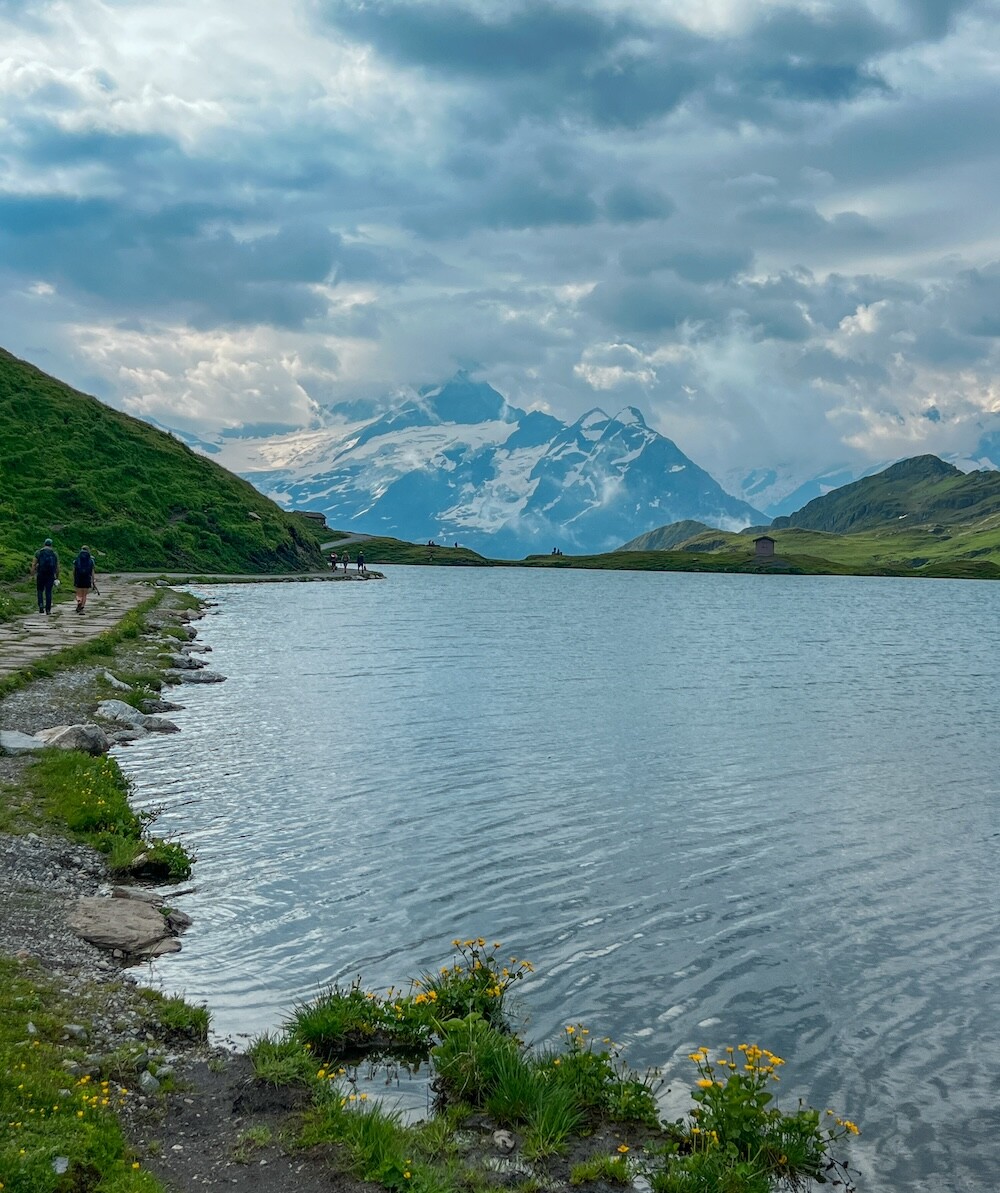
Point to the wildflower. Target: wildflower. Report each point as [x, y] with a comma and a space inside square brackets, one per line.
[135, 1164]
[704, 1083]
[570, 1029]
[623, 1148]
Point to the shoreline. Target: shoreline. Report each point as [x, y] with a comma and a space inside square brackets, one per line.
[190, 1103]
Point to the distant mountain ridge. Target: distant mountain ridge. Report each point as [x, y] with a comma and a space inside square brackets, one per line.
[924, 489]
[457, 462]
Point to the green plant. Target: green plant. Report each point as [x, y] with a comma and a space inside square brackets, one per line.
[249, 1141]
[615, 1170]
[738, 1141]
[282, 1060]
[600, 1082]
[176, 1016]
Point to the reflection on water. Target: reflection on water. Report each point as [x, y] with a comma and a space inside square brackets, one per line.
[711, 809]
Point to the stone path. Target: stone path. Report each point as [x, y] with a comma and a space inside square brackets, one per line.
[27, 639]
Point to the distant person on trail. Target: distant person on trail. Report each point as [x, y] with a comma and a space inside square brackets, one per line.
[333, 560]
[361, 561]
[83, 577]
[45, 569]
[347, 560]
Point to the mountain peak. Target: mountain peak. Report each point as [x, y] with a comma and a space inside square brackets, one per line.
[630, 416]
[462, 400]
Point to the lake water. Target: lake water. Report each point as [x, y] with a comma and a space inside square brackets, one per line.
[710, 809]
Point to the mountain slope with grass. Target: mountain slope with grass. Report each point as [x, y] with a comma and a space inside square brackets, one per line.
[76, 471]
[923, 491]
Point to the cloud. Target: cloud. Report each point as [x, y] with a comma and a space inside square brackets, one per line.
[770, 225]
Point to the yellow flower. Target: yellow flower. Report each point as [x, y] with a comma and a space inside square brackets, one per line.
[704, 1083]
[623, 1148]
[570, 1029]
[135, 1164]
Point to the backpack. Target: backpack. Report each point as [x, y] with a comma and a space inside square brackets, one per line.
[83, 565]
[46, 561]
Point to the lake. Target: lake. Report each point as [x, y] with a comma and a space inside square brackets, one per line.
[709, 809]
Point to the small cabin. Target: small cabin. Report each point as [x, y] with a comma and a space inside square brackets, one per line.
[764, 547]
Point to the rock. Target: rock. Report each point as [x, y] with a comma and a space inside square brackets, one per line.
[134, 892]
[148, 1083]
[169, 944]
[179, 921]
[186, 662]
[90, 739]
[193, 677]
[115, 682]
[13, 742]
[75, 1031]
[160, 725]
[124, 924]
[118, 710]
[195, 648]
[503, 1141]
[125, 714]
[155, 706]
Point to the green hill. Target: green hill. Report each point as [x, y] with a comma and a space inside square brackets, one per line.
[665, 538]
[922, 490]
[76, 471]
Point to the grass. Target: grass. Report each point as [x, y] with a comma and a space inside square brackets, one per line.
[88, 799]
[47, 1114]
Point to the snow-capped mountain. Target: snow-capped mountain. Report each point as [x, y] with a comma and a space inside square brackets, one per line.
[456, 463]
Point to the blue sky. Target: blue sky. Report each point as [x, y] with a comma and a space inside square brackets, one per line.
[771, 227]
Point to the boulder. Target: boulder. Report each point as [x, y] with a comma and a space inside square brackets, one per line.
[118, 710]
[89, 738]
[125, 714]
[155, 706]
[124, 924]
[193, 677]
[115, 682]
[14, 742]
[186, 662]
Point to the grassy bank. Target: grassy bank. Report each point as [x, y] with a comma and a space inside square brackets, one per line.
[61, 1110]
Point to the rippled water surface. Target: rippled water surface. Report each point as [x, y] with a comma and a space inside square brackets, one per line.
[709, 809]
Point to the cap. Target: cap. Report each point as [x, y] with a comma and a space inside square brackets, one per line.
[47, 543]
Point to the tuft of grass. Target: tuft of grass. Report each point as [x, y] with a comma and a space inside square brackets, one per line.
[614, 1170]
[179, 1018]
[281, 1060]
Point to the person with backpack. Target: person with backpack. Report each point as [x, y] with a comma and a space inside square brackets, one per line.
[83, 577]
[45, 569]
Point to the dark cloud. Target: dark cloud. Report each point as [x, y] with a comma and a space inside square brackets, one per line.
[630, 202]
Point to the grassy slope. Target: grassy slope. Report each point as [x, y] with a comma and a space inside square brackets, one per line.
[923, 490]
[79, 472]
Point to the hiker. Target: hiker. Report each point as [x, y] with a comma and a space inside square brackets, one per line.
[361, 561]
[333, 561]
[347, 560]
[83, 577]
[45, 569]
